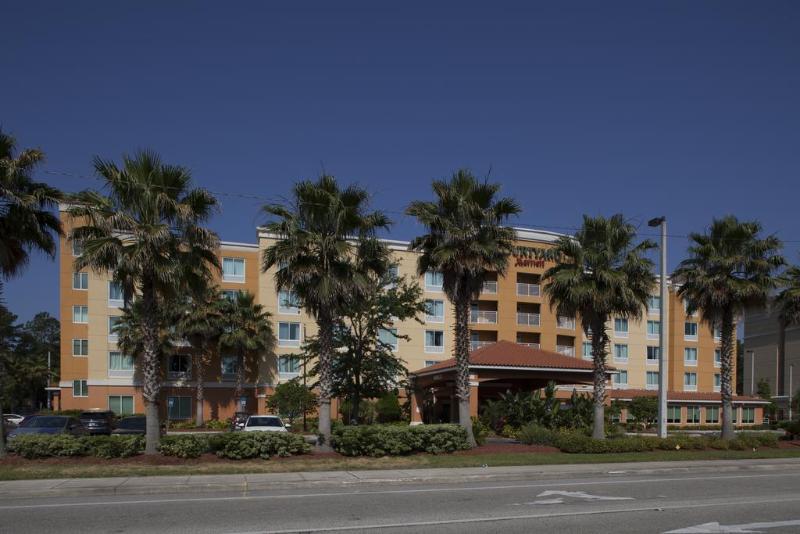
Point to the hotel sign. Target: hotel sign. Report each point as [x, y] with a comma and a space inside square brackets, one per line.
[534, 256]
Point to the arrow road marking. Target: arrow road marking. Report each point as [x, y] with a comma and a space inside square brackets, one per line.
[715, 527]
[559, 497]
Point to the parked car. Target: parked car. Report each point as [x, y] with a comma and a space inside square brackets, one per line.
[50, 424]
[264, 423]
[98, 421]
[134, 425]
[238, 420]
[13, 418]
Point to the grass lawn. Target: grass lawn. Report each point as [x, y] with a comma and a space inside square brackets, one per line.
[14, 468]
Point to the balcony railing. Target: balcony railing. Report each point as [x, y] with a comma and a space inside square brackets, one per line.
[531, 345]
[483, 316]
[474, 345]
[489, 287]
[566, 350]
[528, 319]
[528, 290]
[566, 322]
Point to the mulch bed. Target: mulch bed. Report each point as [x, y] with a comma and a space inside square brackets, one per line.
[507, 448]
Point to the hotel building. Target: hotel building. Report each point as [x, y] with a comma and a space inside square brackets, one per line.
[511, 309]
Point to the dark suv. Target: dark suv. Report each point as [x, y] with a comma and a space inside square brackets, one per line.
[98, 421]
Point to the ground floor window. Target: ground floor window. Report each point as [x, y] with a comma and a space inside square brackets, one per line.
[80, 388]
[712, 414]
[748, 415]
[693, 414]
[179, 407]
[674, 414]
[121, 404]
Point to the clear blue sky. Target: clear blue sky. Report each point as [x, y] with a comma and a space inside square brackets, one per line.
[688, 109]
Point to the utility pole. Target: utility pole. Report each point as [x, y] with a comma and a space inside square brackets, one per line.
[49, 380]
[663, 339]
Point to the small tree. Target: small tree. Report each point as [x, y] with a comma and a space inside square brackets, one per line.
[388, 408]
[292, 400]
[643, 411]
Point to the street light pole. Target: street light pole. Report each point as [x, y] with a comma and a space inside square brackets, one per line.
[663, 335]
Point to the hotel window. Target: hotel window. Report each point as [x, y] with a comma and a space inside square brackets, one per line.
[621, 327]
[748, 415]
[734, 414]
[434, 340]
[113, 322]
[717, 381]
[179, 407]
[119, 364]
[180, 366]
[693, 414]
[717, 358]
[230, 365]
[80, 314]
[674, 414]
[567, 323]
[712, 415]
[690, 356]
[653, 304]
[653, 354]
[587, 351]
[116, 299]
[288, 303]
[717, 334]
[619, 379]
[653, 329]
[288, 334]
[690, 331]
[652, 379]
[388, 336]
[288, 365]
[80, 347]
[690, 381]
[434, 311]
[620, 353]
[434, 281]
[392, 274]
[233, 269]
[80, 281]
[121, 404]
[428, 363]
[231, 294]
[80, 388]
[77, 248]
[686, 309]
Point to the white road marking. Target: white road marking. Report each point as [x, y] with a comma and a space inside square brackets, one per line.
[712, 528]
[583, 495]
[422, 524]
[318, 495]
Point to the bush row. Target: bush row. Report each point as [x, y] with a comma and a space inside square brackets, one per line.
[236, 445]
[45, 446]
[578, 442]
[393, 440]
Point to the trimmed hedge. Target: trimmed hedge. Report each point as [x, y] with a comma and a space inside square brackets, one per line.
[186, 446]
[573, 442]
[45, 446]
[244, 445]
[393, 440]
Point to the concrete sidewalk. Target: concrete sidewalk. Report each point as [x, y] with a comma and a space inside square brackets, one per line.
[243, 484]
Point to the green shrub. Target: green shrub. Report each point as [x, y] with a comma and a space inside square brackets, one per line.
[753, 440]
[388, 408]
[188, 446]
[533, 434]
[394, 440]
[244, 445]
[46, 445]
[509, 431]
[216, 424]
[182, 425]
[792, 428]
[115, 446]
[479, 431]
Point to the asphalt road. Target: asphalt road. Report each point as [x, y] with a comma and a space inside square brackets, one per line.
[754, 501]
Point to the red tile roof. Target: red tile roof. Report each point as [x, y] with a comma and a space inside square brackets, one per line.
[678, 396]
[508, 354]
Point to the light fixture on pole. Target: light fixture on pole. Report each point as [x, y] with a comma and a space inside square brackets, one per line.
[663, 349]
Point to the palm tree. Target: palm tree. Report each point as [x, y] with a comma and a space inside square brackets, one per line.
[199, 321]
[147, 230]
[314, 252]
[466, 239]
[728, 269]
[603, 273]
[787, 305]
[27, 222]
[246, 332]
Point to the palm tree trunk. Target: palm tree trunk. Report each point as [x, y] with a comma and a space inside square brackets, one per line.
[151, 367]
[325, 324]
[462, 367]
[2, 420]
[599, 344]
[726, 374]
[199, 365]
[238, 390]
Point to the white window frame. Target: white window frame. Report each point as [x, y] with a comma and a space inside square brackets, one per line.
[717, 382]
[77, 249]
[671, 411]
[81, 343]
[627, 353]
[707, 420]
[651, 335]
[752, 418]
[231, 294]
[83, 281]
[290, 342]
[432, 287]
[689, 387]
[112, 337]
[112, 302]
[690, 337]
[289, 374]
[190, 403]
[434, 318]
[434, 349]
[79, 308]
[222, 359]
[621, 333]
[648, 375]
[119, 372]
[287, 297]
[83, 387]
[654, 311]
[583, 351]
[428, 363]
[717, 361]
[689, 362]
[615, 379]
[234, 278]
[647, 359]
[179, 375]
[120, 397]
[396, 344]
[690, 410]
